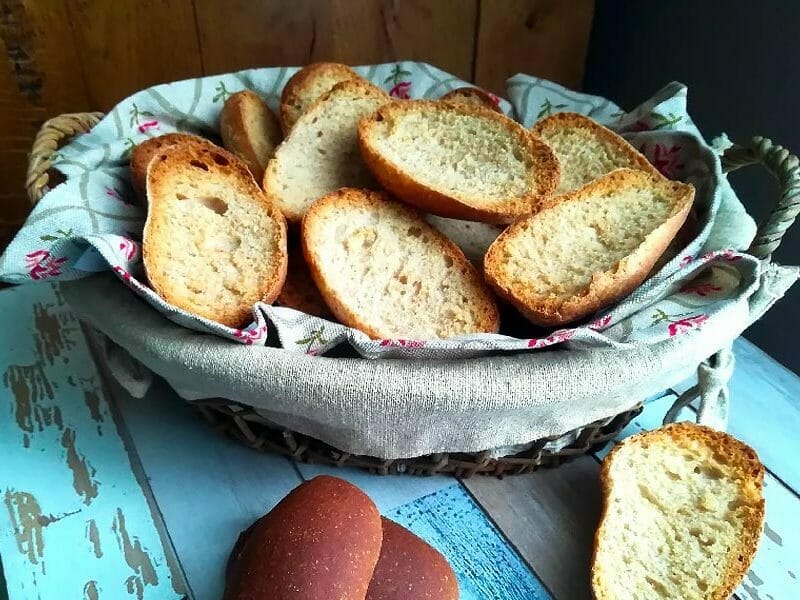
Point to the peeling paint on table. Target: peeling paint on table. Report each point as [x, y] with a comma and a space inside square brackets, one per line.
[74, 523]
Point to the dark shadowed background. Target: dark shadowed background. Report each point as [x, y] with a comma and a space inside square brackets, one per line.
[741, 63]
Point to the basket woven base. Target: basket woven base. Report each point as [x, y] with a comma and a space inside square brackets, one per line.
[244, 424]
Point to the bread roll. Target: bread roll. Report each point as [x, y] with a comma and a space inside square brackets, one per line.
[410, 569]
[322, 541]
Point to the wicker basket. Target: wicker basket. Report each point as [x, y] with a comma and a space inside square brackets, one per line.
[246, 425]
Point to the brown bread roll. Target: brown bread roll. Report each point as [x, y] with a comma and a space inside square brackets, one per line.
[410, 569]
[322, 541]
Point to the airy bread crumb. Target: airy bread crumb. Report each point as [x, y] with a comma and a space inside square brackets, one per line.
[382, 269]
[213, 243]
[683, 514]
[588, 248]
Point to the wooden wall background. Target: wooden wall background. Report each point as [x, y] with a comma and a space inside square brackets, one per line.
[61, 56]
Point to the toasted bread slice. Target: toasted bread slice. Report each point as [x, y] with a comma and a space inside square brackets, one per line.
[213, 243]
[142, 154]
[299, 290]
[250, 130]
[307, 86]
[456, 161]
[321, 153]
[682, 516]
[589, 248]
[587, 150]
[471, 96]
[382, 269]
[473, 238]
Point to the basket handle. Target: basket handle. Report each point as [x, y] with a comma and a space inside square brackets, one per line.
[786, 169]
[46, 142]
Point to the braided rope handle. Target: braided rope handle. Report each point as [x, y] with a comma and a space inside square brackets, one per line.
[786, 168]
[47, 140]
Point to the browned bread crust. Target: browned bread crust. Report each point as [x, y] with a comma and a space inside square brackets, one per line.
[741, 462]
[299, 290]
[410, 569]
[143, 152]
[320, 154]
[250, 130]
[605, 287]
[626, 155]
[306, 87]
[211, 177]
[471, 96]
[489, 318]
[323, 540]
[542, 175]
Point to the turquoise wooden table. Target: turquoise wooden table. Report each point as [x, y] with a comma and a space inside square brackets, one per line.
[108, 497]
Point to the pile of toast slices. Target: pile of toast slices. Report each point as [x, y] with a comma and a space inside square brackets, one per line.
[401, 218]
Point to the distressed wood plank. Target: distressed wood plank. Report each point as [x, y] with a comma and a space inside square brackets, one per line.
[546, 38]
[762, 386]
[208, 488]
[137, 44]
[40, 76]
[550, 516]
[486, 566]
[773, 574]
[74, 518]
[296, 32]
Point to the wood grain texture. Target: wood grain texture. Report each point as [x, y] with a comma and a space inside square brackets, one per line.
[355, 32]
[208, 488]
[74, 517]
[486, 566]
[545, 38]
[38, 77]
[136, 44]
[550, 516]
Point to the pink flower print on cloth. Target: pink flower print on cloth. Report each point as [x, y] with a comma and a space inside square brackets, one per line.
[41, 264]
[700, 289]
[401, 90]
[666, 160]
[600, 323]
[729, 255]
[128, 248]
[251, 335]
[557, 337]
[129, 279]
[399, 343]
[142, 119]
[401, 86]
[687, 324]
